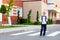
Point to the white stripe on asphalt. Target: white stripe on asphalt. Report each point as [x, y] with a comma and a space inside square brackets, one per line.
[54, 33]
[34, 34]
[21, 33]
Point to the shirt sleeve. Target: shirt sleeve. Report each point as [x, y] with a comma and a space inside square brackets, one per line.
[39, 19]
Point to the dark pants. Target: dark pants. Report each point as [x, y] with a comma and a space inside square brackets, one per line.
[43, 29]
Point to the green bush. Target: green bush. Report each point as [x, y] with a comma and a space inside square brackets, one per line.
[3, 9]
[37, 23]
[49, 21]
[22, 21]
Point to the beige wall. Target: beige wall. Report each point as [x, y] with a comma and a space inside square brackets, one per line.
[44, 8]
[58, 16]
[35, 6]
[57, 2]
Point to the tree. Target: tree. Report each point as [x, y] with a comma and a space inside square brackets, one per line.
[3, 9]
[29, 16]
[37, 18]
[9, 9]
[18, 20]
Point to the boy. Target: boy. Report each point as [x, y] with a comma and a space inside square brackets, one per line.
[43, 24]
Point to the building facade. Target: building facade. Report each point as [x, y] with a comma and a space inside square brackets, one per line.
[34, 6]
[54, 10]
[13, 13]
[24, 6]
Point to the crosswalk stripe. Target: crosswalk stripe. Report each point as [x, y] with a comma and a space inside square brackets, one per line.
[54, 33]
[35, 34]
[21, 33]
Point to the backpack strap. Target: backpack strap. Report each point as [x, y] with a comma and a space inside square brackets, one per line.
[42, 18]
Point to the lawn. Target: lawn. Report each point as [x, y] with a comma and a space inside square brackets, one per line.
[12, 26]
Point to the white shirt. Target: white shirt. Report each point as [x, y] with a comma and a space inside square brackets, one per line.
[43, 22]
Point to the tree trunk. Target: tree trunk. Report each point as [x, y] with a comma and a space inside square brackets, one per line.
[9, 20]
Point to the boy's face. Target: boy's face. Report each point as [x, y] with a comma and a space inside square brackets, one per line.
[44, 13]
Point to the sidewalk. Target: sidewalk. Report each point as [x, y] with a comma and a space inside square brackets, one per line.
[29, 28]
[18, 29]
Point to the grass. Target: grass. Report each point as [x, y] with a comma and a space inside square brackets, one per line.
[19, 25]
[11, 26]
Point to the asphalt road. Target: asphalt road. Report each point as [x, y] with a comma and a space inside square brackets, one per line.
[53, 33]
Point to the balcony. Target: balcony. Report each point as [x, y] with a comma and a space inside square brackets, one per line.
[50, 6]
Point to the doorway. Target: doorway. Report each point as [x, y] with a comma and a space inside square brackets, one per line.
[52, 15]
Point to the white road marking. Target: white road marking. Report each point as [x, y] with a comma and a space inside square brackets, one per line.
[21, 33]
[34, 34]
[54, 33]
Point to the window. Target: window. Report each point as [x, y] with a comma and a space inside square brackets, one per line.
[20, 11]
